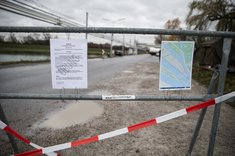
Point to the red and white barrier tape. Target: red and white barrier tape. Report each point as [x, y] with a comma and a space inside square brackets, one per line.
[9, 130]
[130, 128]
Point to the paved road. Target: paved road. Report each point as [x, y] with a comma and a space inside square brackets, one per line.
[37, 78]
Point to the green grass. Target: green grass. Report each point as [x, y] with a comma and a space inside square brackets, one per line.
[38, 49]
[203, 77]
[23, 48]
[23, 62]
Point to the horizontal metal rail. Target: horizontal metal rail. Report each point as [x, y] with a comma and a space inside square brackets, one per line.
[100, 97]
[117, 31]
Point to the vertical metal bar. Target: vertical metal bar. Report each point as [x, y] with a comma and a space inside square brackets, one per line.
[211, 88]
[223, 71]
[86, 22]
[123, 44]
[135, 47]
[11, 138]
[111, 46]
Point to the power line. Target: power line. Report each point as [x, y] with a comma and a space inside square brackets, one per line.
[43, 13]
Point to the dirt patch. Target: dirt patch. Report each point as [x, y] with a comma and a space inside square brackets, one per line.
[169, 138]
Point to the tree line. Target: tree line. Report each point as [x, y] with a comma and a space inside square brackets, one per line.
[202, 15]
[28, 39]
[44, 39]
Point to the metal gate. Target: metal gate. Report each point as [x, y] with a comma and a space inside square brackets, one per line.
[228, 36]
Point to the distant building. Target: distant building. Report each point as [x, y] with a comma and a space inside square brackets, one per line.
[209, 54]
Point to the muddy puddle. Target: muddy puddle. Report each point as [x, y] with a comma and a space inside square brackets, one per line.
[128, 71]
[75, 113]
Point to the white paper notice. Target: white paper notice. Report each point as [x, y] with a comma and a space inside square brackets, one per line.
[68, 63]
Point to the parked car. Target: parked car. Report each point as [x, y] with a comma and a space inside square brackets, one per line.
[118, 52]
[154, 51]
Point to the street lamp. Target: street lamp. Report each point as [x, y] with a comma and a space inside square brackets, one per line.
[113, 22]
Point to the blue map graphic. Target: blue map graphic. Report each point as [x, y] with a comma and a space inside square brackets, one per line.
[176, 65]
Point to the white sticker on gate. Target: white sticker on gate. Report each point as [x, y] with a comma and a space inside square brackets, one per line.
[117, 97]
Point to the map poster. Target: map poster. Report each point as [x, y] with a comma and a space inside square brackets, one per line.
[68, 63]
[176, 65]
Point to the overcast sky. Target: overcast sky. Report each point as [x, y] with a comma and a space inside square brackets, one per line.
[137, 13]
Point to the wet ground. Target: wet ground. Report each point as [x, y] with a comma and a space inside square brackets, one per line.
[76, 112]
[168, 138]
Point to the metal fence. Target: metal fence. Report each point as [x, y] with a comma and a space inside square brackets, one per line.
[220, 73]
[117, 31]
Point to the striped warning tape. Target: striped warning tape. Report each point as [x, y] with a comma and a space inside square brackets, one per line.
[130, 128]
[11, 131]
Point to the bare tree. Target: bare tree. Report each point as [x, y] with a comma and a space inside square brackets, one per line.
[29, 39]
[173, 24]
[46, 36]
[36, 36]
[12, 38]
[2, 39]
[204, 13]
[159, 39]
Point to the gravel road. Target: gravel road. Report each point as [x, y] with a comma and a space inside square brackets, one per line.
[168, 138]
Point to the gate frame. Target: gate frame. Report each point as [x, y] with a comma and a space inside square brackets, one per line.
[227, 41]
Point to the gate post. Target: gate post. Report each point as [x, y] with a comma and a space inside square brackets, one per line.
[11, 138]
[203, 112]
[223, 71]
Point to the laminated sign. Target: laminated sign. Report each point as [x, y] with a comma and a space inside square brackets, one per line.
[68, 63]
[176, 65]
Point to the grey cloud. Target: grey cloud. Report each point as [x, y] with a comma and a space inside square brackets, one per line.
[137, 13]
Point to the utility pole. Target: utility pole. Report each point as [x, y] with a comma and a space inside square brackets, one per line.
[111, 43]
[135, 47]
[11, 138]
[86, 22]
[123, 45]
[111, 46]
